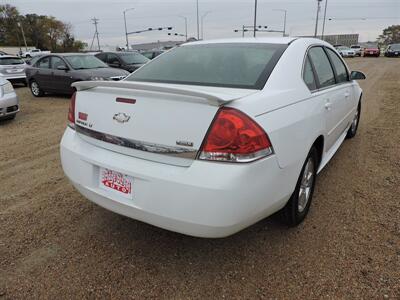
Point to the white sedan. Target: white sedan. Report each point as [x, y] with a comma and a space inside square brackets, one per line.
[346, 51]
[9, 106]
[212, 136]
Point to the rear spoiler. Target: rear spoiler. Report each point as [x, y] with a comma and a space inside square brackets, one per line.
[212, 98]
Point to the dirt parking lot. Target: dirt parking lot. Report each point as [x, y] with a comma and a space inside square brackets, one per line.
[55, 244]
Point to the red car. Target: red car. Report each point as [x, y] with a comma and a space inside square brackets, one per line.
[372, 51]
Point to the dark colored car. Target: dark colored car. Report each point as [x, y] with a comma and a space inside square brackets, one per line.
[372, 51]
[56, 72]
[152, 54]
[393, 50]
[129, 61]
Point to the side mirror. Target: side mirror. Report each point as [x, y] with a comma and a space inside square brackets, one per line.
[62, 68]
[357, 75]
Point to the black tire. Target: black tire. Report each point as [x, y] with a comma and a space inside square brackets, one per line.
[35, 89]
[297, 209]
[354, 124]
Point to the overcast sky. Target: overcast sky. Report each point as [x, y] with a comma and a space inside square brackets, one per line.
[366, 17]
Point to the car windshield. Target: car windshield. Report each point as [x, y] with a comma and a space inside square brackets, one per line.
[4, 61]
[356, 47]
[395, 47]
[238, 65]
[80, 62]
[344, 48]
[133, 58]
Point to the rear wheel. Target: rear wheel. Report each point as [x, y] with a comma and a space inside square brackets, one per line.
[35, 89]
[299, 203]
[354, 124]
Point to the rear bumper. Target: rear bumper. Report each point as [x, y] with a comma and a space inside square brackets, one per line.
[205, 199]
[373, 54]
[8, 105]
[14, 77]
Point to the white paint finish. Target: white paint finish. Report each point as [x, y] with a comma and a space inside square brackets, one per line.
[209, 199]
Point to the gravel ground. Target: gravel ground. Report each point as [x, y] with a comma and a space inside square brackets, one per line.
[56, 244]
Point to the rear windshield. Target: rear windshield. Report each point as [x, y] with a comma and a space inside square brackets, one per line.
[10, 61]
[81, 62]
[236, 65]
[133, 58]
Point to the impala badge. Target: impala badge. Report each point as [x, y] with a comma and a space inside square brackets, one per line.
[121, 117]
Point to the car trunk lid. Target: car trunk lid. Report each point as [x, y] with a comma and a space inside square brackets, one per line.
[159, 122]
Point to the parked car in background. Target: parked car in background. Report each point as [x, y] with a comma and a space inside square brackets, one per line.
[3, 53]
[12, 68]
[129, 61]
[372, 51]
[8, 100]
[393, 50]
[152, 54]
[33, 52]
[357, 49]
[213, 136]
[56, 72]
[345, 51]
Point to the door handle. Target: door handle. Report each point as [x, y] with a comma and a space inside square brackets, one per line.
[328, 105]
[346, 94]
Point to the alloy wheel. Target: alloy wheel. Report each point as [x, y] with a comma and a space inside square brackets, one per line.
[306, 185]
[35, 88]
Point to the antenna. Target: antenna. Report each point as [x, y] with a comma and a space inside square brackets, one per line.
[96, 34]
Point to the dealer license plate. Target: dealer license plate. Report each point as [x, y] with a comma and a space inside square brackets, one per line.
[116, 182]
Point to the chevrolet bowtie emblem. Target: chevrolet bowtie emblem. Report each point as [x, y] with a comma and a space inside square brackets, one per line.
[121, 117]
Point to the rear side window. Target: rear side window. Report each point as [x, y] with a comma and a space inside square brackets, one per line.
[44, 63]
[340, 68]
[308, 75]
[322, 66]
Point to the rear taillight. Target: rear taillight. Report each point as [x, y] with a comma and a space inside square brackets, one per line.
[71, 112]
[235, 137]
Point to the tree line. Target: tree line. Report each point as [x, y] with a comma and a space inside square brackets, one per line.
[43, 32]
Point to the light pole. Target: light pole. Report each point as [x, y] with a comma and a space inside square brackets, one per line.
[316, 21]
[202, 23]
[323, 24]
[126, 30]
[198, 25]
[255, 18]
[284, 19]
[23, 35]
[185, 25]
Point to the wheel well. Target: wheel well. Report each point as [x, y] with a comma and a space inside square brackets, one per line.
[319, 145]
